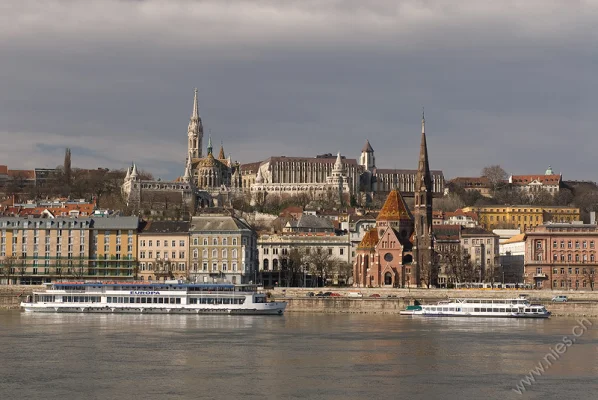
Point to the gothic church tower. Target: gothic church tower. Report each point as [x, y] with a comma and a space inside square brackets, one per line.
[423, 251]
[195, 131]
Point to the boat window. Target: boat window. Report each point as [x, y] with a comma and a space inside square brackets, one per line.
[502, 310]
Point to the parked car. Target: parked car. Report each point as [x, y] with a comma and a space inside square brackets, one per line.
[310, 294]
[559, 299]
[320, 294]
[355, 294]
[334, 294]
[392, 295]
[327, 294]
[374, 295]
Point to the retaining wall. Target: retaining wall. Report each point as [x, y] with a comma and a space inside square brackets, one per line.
[12, 295]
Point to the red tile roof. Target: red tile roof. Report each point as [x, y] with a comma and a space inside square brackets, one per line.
[22, 173]
[472, 182]
[527, 179]
[394, 208]
[370, 239]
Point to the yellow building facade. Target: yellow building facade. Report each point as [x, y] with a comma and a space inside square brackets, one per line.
[114, 248]
[522, 217]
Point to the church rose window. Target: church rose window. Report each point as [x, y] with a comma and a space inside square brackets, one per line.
[388, 257]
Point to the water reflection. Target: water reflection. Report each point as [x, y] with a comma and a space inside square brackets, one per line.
[301, 356]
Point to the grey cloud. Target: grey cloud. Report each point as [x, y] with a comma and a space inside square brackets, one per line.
[503, 82]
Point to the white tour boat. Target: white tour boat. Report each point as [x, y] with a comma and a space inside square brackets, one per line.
[152, 298]
[488, 308]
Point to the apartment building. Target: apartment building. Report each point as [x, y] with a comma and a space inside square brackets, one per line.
[163, 251]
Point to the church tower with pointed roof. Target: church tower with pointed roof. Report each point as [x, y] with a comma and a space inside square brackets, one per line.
[195, 131]
[423, 246]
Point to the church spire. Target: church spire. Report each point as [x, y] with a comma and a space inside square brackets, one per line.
[423, 169]
[195, 130]
[195, 112]
[221, 155]
[210, 144]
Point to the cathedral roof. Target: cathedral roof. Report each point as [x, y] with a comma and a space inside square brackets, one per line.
[394, 208]
[370, 239]
[221, 155]
[208, 161]
[367, 147]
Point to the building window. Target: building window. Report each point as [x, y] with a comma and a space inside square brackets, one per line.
[204, 253]
[234, 241]
[150, 243]
[195, 253]
[234, 253]
[341, 251]
[214, 267]
[569, 244]
[215, 241]
[181, 243]
[204, 266]
[205, 241]
[562, 244]
[214, 253]
[224, 242]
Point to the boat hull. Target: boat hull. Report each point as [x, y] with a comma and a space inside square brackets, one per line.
[472, 315]
[273, 308]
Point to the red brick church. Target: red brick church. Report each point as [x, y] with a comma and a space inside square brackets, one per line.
[398, 252]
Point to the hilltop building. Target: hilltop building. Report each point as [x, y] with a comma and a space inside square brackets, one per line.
[210, 180]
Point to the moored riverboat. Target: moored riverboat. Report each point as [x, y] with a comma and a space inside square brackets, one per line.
[483, 308]
[152, 298]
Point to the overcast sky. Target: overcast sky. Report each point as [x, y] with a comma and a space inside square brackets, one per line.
[509, 82]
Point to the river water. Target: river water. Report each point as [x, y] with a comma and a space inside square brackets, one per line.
[296, 356]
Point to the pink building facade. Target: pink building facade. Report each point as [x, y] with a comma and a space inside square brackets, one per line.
[561, 257]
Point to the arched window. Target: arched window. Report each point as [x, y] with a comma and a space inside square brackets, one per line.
[224, 253]
[214, 253]
[234, 241]
[224, 242]
[205, 241]
[215, 241]
[195, 241]
[204, 253]
[234, 253]
[195, 253]
[266, 264]
[275, 264]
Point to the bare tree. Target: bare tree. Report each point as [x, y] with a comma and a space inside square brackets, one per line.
[320, 263]
[589, 275]
[450, 202]
[7, 267]
[496, 175]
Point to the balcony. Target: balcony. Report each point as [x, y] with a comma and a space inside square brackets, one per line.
[540, 275]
